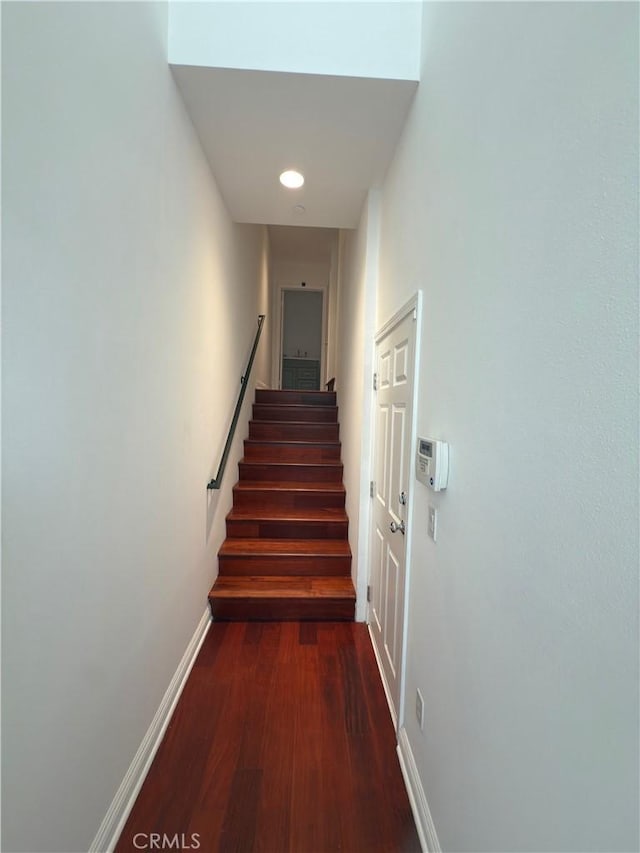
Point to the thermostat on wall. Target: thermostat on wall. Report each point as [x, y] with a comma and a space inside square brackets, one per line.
[432, 463]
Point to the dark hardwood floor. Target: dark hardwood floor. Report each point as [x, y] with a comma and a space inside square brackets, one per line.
[281, 741]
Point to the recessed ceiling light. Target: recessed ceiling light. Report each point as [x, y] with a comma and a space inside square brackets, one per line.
[291, 179]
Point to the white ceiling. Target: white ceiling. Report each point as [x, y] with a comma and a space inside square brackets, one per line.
[340, 132]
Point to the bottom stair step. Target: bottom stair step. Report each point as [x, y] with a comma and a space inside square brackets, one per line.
[282, 598]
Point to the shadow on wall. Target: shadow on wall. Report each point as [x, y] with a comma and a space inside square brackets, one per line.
[213, 499]
[232, 434]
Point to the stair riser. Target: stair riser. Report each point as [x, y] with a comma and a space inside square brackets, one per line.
[268, 566]
[282, 610]
[293, 529]
[313, 398]
[272, 452]
[259, 472]
[314, 414]
[273, 499]
[295, 431]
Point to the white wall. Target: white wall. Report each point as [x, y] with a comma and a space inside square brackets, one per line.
[130, 301]
[358, 39]
[261, 374]
[354, 381]
[332, 321]
[512, 201]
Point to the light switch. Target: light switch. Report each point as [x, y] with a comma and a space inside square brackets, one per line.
[433, 522]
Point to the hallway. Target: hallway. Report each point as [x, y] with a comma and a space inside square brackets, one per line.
[281, 741]
[480, 159]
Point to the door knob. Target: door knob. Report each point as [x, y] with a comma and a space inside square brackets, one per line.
[395, 527]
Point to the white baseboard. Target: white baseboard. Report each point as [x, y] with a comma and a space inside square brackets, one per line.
[419, 806]
[125, 797]
[383, 678]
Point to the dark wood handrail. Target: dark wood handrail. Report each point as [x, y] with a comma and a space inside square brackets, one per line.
[244, 381]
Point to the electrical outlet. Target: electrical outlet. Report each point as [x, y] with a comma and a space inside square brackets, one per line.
[433, 522]
[420, 710]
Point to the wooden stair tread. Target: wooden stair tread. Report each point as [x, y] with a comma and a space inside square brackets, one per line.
[295, 442]
[286, 547]
[319, 398]
[287, 486]
[295, 412]
[285, 405]
[283, 449]
[303, 424]
[277, 514]
[255, 586]
[301, 430]
[331, 463]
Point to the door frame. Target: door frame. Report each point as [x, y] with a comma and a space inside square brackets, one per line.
[412, 306]
[281, 288]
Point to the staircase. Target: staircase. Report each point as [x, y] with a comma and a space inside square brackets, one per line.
[286, 555]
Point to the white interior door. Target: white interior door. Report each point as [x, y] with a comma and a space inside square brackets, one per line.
[302, 329]
[395, 365]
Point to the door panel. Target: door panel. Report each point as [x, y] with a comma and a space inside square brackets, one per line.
[395, 357]
[391, 640]
[400, 354]
[397, 462]
[382, 455]
[384, 369]
[377, 576]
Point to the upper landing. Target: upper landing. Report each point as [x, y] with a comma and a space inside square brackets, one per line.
[353, 39]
